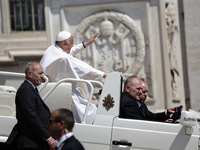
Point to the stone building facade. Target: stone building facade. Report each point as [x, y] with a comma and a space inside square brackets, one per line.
[152, 39]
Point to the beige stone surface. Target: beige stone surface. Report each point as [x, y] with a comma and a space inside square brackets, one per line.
[192, 35]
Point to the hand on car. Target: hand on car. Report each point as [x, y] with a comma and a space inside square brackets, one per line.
[172, 110]
[169, 120]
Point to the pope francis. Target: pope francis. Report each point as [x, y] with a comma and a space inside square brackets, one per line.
[58, 63]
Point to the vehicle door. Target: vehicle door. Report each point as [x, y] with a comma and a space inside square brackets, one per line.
[130, 134]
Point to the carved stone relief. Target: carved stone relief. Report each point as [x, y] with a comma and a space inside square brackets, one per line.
[120, 46]
[172, 31]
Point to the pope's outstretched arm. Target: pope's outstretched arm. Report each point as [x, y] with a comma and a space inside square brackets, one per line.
[78, 47]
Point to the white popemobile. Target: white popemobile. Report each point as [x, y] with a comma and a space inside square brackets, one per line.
[108, 132]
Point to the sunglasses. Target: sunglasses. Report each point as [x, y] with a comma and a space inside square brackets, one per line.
[50, 121]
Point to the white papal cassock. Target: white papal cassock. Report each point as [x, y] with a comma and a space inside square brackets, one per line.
[57, 65]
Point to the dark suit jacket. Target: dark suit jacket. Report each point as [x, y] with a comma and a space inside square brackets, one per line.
[33, 116]
[129, 109]
[72, 144]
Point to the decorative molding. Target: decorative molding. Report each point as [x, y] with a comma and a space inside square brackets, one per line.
[21, 46]
[22, 52]
[173, 33]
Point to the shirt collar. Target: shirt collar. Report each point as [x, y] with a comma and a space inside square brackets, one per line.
[139, 104]
[63, 138]
[59, 48]
[31, 83]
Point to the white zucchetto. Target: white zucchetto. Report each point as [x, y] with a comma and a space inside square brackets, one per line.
[63, 35]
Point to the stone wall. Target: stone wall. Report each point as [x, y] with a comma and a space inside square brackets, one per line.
[192, 37]
[137, 37]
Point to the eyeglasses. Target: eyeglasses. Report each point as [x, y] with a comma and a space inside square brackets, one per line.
[50, 121]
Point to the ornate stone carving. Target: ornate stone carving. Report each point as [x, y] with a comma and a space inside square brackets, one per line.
[120, 47]
[172, 31]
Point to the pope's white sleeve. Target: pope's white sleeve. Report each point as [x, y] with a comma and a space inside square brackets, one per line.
[76, 49]
[94, 74]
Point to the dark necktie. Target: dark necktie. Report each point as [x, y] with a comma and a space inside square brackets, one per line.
[37, 92]
[142, 109]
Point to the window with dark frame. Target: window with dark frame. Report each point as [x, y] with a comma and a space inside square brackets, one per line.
[27, 15]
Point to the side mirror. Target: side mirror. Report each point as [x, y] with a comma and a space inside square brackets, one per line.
[188, 118]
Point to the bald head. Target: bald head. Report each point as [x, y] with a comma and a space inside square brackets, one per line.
[34, 73]
[133, 86]
[144, 94]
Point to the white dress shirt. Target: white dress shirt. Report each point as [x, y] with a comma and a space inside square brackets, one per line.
[62, 139]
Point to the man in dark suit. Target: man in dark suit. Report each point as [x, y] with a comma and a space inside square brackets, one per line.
[60, 128]
[132, 102]
[30, 132]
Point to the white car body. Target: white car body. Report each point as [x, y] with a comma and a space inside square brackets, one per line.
[109, 132]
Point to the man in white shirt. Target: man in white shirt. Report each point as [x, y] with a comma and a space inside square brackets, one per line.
[60, 127]
[58, 63]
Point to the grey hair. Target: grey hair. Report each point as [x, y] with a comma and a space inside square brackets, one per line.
[128, 81]
[29, 67]
[62, 42]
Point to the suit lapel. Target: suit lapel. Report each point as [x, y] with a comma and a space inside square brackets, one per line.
[32, 88]
[36, 93]
[67, 141]
[142, 108]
